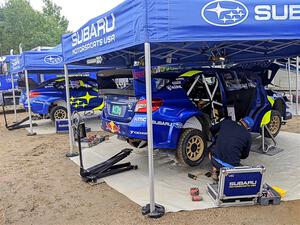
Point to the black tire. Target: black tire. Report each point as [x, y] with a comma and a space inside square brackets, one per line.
[191, 147]
[136, 143]
[58, 112]
[279, 106]
[275, 123]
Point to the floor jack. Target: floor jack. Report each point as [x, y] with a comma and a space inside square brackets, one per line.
[17, 125]
[103, 169]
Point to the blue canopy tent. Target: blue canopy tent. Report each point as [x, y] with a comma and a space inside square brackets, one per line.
[155, 32]
[7, 61]
[45, 62]
[4, 73]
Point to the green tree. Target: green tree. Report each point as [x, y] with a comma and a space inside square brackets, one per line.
[20, 23]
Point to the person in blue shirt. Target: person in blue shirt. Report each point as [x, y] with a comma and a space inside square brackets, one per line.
[233, 143]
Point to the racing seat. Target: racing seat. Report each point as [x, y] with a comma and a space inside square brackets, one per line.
[259, 101]
[106, 83]
[243, 101]
[31, 82]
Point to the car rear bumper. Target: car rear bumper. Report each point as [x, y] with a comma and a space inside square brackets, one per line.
[38, 107]
[288, 116]
[165, 134]
[137, 130]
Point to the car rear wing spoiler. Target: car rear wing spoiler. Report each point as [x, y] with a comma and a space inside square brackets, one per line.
[122, 92]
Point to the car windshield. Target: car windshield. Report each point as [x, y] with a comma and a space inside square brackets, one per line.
[48, 83]
[159, 84]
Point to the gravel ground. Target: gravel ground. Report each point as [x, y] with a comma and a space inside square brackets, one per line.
[39, 185]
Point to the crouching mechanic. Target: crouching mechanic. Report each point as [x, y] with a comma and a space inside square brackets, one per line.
[233, 143]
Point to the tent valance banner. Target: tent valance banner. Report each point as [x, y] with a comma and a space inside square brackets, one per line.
[48, 61]
[16, 64]
[199, 23]
[119, 28]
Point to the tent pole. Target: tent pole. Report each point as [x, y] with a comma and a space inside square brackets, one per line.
[289, 76]
[149, 123]
[297, 86]
[31, 133]
[67, 84]
[154, 210]
[14, 96]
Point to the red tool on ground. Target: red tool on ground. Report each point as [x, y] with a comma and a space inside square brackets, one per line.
[197, 198]
[194, 192]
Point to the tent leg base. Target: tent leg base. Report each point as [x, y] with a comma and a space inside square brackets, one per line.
[73, 154]
[31, 134]
[157, 213]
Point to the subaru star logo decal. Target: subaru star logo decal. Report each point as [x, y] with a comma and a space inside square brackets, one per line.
[53, 59]
[225, 13]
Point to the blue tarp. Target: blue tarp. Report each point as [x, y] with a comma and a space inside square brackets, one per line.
[49, 61]
[5, 82]
[188, 31]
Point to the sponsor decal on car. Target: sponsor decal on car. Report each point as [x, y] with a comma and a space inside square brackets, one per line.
[81, 101]
[41, 102]
[160, 123]
[138, 132]
[111, 126]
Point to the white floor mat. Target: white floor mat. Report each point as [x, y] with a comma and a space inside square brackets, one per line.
[46, 126]
[172, 184]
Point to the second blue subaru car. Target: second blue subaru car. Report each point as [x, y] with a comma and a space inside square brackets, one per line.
[49, 98]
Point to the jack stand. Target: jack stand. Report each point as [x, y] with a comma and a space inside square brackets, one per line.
[265, 148]
[158, 212]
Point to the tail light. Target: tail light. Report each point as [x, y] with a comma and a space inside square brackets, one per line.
[34, 94]
[141, 106]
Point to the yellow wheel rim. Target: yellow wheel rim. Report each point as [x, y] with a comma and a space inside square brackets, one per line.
[195, 148]
[274, 124]
[60, 114]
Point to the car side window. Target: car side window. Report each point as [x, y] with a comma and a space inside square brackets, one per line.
[232, 82]
[252, 81]
[91, 84]
[243, 79]
[59, 85]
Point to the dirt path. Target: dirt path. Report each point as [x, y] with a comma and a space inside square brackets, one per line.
[292, 125]
[39, 185]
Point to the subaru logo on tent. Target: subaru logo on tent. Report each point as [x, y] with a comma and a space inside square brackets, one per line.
[225, 13]
[53, 59]
[16, 62]
[2, 59]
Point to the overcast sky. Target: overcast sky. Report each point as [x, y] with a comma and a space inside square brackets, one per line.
[79, 12]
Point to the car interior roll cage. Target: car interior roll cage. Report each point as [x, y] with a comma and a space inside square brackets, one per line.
[201, 78]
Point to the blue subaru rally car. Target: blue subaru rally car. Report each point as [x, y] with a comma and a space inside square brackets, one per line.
[187, 102]
[49, 98]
